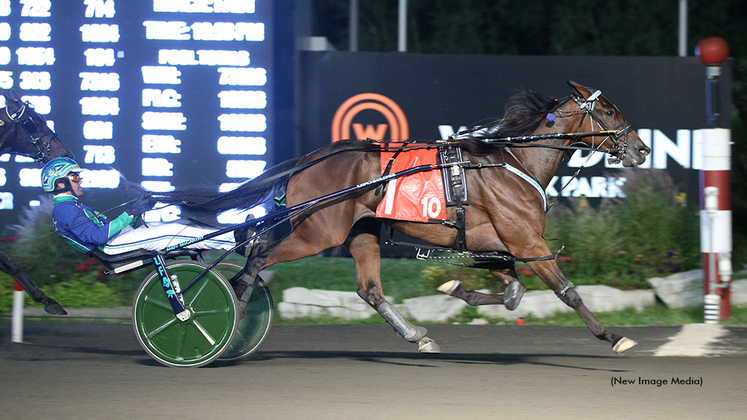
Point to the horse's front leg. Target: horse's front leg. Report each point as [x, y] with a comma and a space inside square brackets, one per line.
[549, 272]
[363, 244]
[511, 297]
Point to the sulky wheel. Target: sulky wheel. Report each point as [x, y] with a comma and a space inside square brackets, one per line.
[256, 322]
[204, 336]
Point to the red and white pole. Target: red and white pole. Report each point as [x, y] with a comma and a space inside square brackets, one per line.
[715, 205]
[16, 332]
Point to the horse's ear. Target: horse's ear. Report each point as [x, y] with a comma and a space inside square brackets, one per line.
[12, 101]
[579, 89]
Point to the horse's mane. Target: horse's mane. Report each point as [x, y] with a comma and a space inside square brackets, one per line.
[524, 111]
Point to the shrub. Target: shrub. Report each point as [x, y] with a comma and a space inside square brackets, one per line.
[40, 253]
[624, 241]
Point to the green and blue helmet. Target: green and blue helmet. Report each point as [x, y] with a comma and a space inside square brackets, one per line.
[55, 169]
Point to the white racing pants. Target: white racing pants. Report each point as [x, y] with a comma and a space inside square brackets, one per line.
[158, 236]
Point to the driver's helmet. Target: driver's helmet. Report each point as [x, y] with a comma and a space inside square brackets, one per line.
[55, 169]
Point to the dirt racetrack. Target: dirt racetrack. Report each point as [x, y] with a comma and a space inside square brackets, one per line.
[98, 371]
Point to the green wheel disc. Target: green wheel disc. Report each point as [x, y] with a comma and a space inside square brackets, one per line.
[204, 336]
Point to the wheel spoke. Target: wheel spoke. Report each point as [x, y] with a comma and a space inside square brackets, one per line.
[212, 312]
[198, 292]
[161, 328]
[159, 303]
[207, 336]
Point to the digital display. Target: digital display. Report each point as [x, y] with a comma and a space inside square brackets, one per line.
[166, 93]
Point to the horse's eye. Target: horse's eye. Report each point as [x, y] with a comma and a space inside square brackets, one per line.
[609, 112]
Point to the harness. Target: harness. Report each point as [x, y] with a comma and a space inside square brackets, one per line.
[455, 187]
[27, 123]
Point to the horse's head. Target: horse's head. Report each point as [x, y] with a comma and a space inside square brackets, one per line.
[597, 114]
[24, 131]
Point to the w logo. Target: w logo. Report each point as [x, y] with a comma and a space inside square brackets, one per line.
[369, 124]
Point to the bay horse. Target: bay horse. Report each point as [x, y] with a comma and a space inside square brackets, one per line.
[505, 213]
[23, 131]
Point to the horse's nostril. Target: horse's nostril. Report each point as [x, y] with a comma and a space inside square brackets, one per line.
[644, 151]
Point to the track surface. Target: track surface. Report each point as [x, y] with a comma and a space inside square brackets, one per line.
[98, 371]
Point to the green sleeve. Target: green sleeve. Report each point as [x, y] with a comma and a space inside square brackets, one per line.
[120, 223]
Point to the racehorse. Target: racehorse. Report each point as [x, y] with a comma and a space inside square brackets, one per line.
[505, 213]
[23, 131]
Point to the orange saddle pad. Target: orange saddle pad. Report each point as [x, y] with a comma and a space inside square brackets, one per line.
[417, 197]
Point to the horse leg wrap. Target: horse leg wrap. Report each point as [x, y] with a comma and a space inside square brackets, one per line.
[411, 333]
[244, 290]
[569, 296]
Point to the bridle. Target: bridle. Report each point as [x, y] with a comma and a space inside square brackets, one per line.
[620, 132]
[42, 143]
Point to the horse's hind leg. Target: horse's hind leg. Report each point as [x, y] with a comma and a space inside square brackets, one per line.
[363, 244]
[553, 277]
[510, 298]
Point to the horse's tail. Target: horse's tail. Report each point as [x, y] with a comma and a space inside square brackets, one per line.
[210, 201]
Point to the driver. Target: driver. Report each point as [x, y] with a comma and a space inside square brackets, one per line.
[85, 229]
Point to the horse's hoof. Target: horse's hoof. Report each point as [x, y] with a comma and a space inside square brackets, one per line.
[427, 345]
[514, 293]
[449, 287]
[54, 308]
[623, 344]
